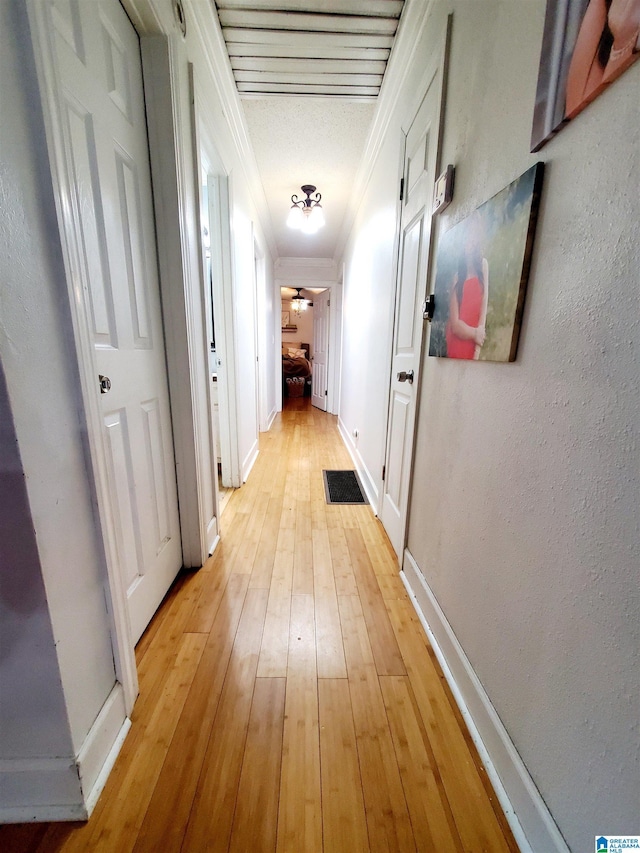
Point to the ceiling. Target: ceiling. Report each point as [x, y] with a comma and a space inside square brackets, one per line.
[334, 48]
[308, 73]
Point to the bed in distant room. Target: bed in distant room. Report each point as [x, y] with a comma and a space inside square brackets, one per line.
[296, 369]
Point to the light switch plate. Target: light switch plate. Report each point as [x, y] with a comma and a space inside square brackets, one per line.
[443, 192]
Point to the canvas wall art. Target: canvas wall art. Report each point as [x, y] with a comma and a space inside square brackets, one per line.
[482, 267]
[586, 44]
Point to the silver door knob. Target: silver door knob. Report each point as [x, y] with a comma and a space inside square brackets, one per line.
[105, 383]
[406, 376]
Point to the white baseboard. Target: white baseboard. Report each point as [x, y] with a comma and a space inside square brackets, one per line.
[216, 542]
[40, 789]
[363, 472]
[530, 820]
[271, 419]
[102, 745]
[249, 461]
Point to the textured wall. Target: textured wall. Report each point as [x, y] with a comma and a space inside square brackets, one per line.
[525, 513]
[29, 672]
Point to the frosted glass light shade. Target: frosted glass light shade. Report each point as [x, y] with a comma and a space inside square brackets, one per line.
[295, 218]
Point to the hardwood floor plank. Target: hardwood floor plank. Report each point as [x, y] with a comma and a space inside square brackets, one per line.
[431, 818]
[303, 560]
[341, 561]
[388, 819]
[383, 557]
[477, 825]
[344, 820]
[158, 619]
[205, 608]
[318, 498]
[248, 548]
[256, 815]
[165, 821]
[383, 641]
[209, 827]
[274, 649]
[391, 586]
[266, 553]
[349, 515]
[302, 638]
[300, 808]
[330, 650]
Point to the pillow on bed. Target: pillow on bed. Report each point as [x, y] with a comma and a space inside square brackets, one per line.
[297, 353]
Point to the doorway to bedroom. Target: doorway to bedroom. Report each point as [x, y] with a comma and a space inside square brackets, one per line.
[305, 344]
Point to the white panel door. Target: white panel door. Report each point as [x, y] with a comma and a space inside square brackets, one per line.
[319, 375]
[420, 163]
[100, 72]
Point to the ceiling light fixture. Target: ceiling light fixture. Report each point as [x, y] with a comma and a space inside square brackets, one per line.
[298, 302]
[306, 214]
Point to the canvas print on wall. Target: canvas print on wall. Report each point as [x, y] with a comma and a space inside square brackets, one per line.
[482, 266]
[586, 44]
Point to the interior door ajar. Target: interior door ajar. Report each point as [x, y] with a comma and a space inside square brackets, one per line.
[98, 59]
[420, 162]
[319, 375]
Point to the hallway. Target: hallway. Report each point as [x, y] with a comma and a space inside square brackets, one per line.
[288, 699]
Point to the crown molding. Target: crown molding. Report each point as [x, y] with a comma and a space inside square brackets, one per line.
[312, 269]
[410, 29]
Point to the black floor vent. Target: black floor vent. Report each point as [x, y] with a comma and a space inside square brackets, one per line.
[343, 487]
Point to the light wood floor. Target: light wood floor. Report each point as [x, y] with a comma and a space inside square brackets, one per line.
[289, 700]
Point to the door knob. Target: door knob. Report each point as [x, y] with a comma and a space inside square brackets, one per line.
[105, 383]
[406, 376]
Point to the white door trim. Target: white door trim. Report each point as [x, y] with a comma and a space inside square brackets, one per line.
[167, 91]
[221, 262]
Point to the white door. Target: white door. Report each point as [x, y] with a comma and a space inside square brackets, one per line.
[420, 162]
[98, 59]
[319, 375]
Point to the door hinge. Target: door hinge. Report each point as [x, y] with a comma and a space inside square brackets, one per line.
[384, 471]
[325, 393]
[401, 189]
[328, 303]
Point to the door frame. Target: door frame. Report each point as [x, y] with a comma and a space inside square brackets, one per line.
[165, 77]
[261, 315]
[439, 64]
[335, 336]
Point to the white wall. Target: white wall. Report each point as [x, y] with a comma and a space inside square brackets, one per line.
[368, 304]
[524, 514]
[304, 324]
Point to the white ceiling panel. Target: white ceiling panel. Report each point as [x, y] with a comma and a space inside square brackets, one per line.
[261, 35]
